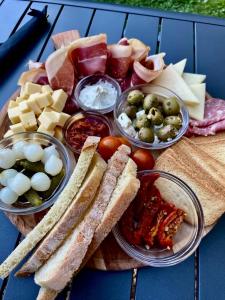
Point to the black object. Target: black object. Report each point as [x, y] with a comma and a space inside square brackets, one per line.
[21, 40]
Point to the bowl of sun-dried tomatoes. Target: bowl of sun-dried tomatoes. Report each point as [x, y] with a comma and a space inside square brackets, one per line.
[164, 224]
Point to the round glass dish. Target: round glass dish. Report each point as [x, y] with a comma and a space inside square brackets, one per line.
[44, 140]
[160, 91]
[93, 79]
[75, 140]
[188, 236]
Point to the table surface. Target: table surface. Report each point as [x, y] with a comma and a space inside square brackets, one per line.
[199, 39]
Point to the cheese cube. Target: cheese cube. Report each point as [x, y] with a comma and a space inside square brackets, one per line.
[12, 103]
[33, 106]
[17, 128]
[124, 121]
[14, 114]
[8, 133]
[23, 106]
[19, 99]
[49, 120]
[28, 120]
[46, 89]
[59, 133]
[48, 109]
[44, 130]
[42, 99]
[59, 100]
[30, 88]
[62, 119]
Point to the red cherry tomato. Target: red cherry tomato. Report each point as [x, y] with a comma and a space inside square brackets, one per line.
[108, 145]
[124, 141]
[143, 159]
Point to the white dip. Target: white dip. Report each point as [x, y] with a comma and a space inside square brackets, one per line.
[100, 95]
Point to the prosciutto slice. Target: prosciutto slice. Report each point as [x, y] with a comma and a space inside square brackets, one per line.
[119, 60]
[60, 71]
[65, 38]
[89, 55]
[147, 70]
[214, 119]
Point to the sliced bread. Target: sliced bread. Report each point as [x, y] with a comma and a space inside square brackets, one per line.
[74, 213]
[59, 269]
[56, 211]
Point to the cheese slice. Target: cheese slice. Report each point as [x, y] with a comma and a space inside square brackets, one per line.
[180, 65]
[197, 111]
[191, 78]
[170, 79]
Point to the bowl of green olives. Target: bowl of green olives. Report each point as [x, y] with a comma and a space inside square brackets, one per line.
[150, 116]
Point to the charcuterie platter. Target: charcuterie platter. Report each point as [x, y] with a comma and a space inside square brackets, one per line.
[104, 160]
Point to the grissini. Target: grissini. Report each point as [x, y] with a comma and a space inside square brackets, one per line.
[74, 213]
[56, 211]
[59, 269]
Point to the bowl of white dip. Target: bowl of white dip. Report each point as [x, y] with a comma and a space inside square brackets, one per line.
[97, 93]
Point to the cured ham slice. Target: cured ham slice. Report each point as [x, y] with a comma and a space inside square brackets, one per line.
[147, 70]
[33, 75]
[139, 49]
[89, 55]
[65, 38]
[60, 71]
[119, 60]
[214, 119]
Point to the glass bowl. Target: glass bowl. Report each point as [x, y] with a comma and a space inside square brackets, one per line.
[78, 116]
[188, 236]
[160, 91]
[44, 140]
[90, 80]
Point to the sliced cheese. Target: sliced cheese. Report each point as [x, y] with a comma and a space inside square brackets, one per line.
[28, 120]
[180, 65]
[191, 78]
[197, 111]
[170, 79]
[59, 100]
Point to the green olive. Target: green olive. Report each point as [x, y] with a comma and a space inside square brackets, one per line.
[146, 135]
[135, 97]
[171, 106]
[143, 121]
[131, 111]
[176, 121]
[150, 101]
[167, 132]
[155, 116]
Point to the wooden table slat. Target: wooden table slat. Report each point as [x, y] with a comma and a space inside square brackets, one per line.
[210, 58]
[108, 22]
[70, 18]
[10, 13]
[177, 42]
[144, 28]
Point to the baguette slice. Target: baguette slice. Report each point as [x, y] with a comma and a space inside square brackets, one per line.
[74, 213]
[59, 269]
[56, 211]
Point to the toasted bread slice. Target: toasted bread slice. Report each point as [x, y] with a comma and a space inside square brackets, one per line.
[209, 195]
[56, 211]
[215, 149]
[208, 139]
[59, 269]
[74, 213]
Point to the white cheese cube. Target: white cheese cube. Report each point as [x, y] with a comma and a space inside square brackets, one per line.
[124, 120]
[46, 89]
[33, 106]
[14, 114]
[131, 131]
[28, 120]
[12, 103]
[24, 107]
[62, 119]
[59, 100]
[59, 133]
[30, 88]
[42, 99]
[42, 129]
[16, 128]
[140, 113]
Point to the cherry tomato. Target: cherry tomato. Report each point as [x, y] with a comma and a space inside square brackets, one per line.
[108, 145]
[124, 141]
[143, 159]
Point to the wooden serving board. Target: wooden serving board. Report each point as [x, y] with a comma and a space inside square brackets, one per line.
[109, 256]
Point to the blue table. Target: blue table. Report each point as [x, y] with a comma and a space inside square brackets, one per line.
[202, 41]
